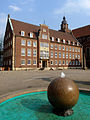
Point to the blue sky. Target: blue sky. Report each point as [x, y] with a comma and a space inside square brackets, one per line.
[77, 12]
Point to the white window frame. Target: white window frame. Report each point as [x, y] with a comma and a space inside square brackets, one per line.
[23, 42]
[31, 35]
[59, 54]
[34, 44]
[30, 62]
[52, 38]
[58, 39]
[34, 52]
[64, 41]
[29, 41]
[28, 52]
[55, 47]
[51, 46]
[23, 52]
[22, 33]
[59, 47]
[22, 60]
[56, 62]
[51, 54]
[35, 63]
[59, 62]
[69, 42]
[55, 54]
[52, 62]
[66, 62]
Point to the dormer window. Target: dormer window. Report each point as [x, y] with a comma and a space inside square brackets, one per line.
[52, 38]
[77, 43]
[31, 35]
[58, 39]
[44, 30]
[69, 42]
[64, 41]
[22, 33]
[73, 43]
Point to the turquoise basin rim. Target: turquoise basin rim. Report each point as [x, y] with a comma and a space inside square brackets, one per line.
[7, 99]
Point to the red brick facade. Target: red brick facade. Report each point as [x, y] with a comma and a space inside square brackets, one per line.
[40, 47]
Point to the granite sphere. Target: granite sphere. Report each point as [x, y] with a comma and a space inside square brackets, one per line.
[63, 93]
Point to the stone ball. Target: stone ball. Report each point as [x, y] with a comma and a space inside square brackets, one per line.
[63, 93]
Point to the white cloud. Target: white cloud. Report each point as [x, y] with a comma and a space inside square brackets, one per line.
[14, 8]
[74, 6]
[26, 2]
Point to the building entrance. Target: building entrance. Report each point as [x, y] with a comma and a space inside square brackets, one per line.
[88, 57]
[44, 64]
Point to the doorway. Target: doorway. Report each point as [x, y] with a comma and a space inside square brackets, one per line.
[44, 64]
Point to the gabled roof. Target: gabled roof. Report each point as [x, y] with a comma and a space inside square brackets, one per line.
[19, 26]
[80, 32]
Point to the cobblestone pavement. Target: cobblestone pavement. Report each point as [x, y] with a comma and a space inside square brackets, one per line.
[11, 81]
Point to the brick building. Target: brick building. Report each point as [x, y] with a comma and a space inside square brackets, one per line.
[28, 46]
[83, 36]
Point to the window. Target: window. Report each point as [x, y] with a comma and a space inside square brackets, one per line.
[70, 55]
[63, 62]
[63, 40]
[77, 43]
[55, 62]
[34, 44]
[69, 42]
[51, 46]
[78, 56]
[59, 62]
[79, 63]
[34, 62]
[55, 54]
[22, 62]
[76, 62]
[78, 50]
[23, 42]
[51, 54]
[52, 38]
[56, 47]
[66, 62]
[34, 53]
[66, 55]
[22, 33]
[28, 43]
[73, 62]
[73, 43]
[63, 47]
[73, 49]
[58, 39]
[59, 47]
[59, 55]
[66, 48]
[44, 30]
[51, 62]
[31, 35]
[44, 36]
[22, 51]
[73, 55]
[29, 62]
[69, 48]
[63, 55]
[70, 63]
[28, 52]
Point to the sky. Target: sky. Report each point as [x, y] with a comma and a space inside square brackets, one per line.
[35, 12]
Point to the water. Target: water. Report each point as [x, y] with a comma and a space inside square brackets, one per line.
[35, 106]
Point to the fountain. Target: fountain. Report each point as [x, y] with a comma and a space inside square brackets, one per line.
[63, 94]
